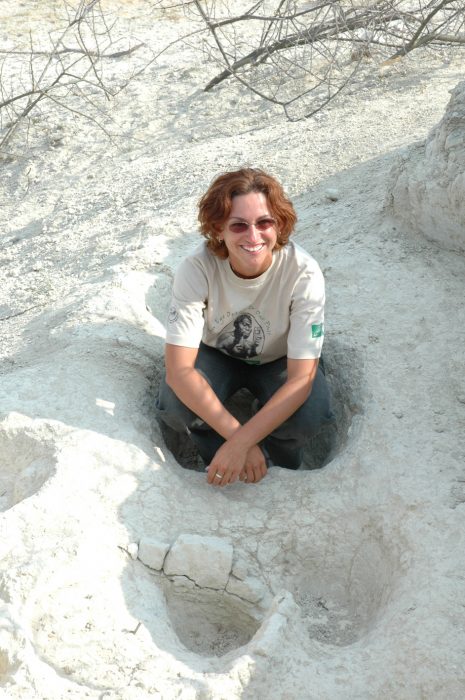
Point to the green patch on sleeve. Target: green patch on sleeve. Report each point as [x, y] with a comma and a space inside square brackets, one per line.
[317, 330]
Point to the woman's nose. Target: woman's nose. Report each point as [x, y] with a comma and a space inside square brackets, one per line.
[254, 233]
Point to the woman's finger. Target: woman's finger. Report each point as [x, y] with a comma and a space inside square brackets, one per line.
[214, 475]
[218, 479]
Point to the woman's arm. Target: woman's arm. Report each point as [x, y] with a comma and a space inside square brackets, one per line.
[196, 393]
[194, 390]
[240, 455]
[284, 402]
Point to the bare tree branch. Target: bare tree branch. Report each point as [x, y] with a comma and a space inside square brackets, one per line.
[68, 49]
[68, 73]
[302, 54]
[416, 40]
[310, 36]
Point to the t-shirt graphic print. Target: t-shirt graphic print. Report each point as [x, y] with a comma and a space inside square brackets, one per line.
[242, 338]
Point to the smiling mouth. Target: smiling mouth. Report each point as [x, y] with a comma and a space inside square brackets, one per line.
[253, 248]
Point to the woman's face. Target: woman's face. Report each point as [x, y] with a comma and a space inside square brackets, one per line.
[245, 326]
[250, 251]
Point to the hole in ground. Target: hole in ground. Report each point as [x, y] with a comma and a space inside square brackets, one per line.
[207, 622]
[26, 463]
[342, 582]
[343, 370]
[341, 614]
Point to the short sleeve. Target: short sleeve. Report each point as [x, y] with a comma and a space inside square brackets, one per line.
[306, 332]
[189, 298]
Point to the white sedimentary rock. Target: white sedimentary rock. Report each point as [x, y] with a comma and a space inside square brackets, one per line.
[152, 552]
[364, 557]
[239, 569]
[429, 180]
[251, 589]
[267, 639]
[205, 560]
[133, 550]
[332, 194]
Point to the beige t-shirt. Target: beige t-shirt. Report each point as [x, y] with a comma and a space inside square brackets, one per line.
[280, 313]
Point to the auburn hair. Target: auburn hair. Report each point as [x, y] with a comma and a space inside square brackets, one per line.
[215, 205]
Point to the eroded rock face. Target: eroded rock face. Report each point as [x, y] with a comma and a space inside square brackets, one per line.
[429, 181]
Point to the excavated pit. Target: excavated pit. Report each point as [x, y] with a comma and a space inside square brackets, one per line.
[343, 370]
[342, 584]
[209, 623]
[26, 464]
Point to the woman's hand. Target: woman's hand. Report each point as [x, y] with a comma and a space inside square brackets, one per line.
[255, 466]
[232, 462]
[227, 464]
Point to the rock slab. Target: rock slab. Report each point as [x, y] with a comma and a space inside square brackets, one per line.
[205, 560]
[153, 552]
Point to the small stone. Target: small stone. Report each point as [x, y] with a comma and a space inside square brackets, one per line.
[239, 570]
[153, 552]
[205, 560]
[332, 194]
[269, 637]
[132, 550]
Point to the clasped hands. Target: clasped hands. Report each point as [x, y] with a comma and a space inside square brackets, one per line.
[233, 462]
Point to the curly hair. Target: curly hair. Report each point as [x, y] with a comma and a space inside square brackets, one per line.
[215, 205]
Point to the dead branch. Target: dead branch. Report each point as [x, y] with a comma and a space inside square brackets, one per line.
[21, 313]
[69, 74]
[344, 24]
[298, 53]
[67, 49]
[419, 40]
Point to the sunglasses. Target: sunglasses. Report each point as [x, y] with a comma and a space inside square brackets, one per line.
[243, 226]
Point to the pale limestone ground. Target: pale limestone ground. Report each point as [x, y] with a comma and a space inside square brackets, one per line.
[345, 582]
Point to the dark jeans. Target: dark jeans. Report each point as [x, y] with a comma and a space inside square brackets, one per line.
[226, 375]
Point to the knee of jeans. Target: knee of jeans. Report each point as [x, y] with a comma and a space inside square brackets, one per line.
[170, 410]
[304, 424]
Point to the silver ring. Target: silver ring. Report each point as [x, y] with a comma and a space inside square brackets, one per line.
[219, 475]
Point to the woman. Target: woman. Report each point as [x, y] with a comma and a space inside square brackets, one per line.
[246, 312]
